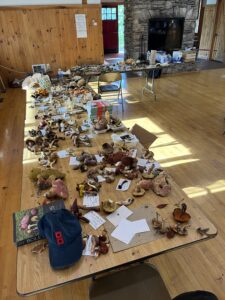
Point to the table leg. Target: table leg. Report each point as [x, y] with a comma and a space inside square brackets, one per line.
[149, 83]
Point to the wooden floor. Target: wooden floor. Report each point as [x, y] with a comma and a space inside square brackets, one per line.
[188, 118]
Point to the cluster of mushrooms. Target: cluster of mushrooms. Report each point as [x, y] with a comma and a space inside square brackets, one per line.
[51, 180]
[180, 216]
[117, 161]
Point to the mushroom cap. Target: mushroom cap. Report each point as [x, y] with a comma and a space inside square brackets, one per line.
[138, 192]
[109, 206]
[181, 216]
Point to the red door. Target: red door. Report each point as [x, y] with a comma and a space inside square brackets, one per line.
[110, 28]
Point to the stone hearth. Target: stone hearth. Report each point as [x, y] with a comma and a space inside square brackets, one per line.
[138, 13]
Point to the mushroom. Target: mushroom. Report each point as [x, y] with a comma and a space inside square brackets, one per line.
[126, 202]
[145, 184]
[109, 206]
[138, 191]
[180, 214]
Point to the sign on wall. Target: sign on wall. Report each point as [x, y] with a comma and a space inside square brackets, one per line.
[81, 26]
[37, 2]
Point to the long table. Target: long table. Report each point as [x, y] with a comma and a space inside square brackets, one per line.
[34, 273]
[89, 71]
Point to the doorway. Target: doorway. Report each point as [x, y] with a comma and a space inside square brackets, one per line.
[113, 31]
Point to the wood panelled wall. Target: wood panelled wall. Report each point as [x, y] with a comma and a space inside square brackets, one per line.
[207, 31]
[212, 43]
[219, 43]
[34, 35]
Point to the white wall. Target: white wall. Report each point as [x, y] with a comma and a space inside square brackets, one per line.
[37, 2]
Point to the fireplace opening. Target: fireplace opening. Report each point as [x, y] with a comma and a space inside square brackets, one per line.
[165, 34]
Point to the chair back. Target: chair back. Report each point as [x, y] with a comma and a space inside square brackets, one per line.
[110, 77]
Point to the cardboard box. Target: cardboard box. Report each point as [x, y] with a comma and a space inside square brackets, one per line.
[145, 137]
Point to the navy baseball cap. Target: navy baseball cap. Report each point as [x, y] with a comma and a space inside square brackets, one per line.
[63, 231]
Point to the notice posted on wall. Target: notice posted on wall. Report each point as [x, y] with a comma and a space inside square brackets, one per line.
[81, 26]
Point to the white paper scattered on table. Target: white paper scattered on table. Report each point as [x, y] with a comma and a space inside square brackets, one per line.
[43, 108]
[95, 219]
[74, 161]
[99, 158]
[113, 170]
[140, 226]
[88, 247]
[91, 200]
[124, 232]
[62, 154]
[81, 25]
[62, 110]
[142, 162]
[119, 215]
[155, 163]
[101, 179]
[123, 185]
[133, 153]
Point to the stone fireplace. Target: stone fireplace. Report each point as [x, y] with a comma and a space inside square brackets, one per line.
[138, 13]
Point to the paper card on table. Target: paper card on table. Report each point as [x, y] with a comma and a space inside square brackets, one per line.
[123, 185]
[140, 226]
[91, 200]
[88, 247]
[62, 154]
[142, 162]
[112, 170]
[43, 132]
[155, 163]
[119, 215]
[95, 219]
[124, 232]
[62, 110]
[43, 107]
[99, 158]
[133, 153]
[101, 178]
[74, 161]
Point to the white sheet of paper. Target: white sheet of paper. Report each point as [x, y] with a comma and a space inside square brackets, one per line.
[81, 25]
[133, 153]
[124, 232]
[123, 185]
[74, 161]
[62, 154]
[99, 158]
[142, 162]
[91, 201]
[140, 226]
[62, 110]
[95, 219]
[43, 108]
[113, 170]
[119, 215]
[156, 165]
[101, 178]
[87, 249]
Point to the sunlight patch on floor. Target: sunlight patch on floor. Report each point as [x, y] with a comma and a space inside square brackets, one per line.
[177, 162]
[165, 147]
[195, 191]
[217, 186]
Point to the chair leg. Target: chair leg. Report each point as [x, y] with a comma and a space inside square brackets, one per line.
[121, 95]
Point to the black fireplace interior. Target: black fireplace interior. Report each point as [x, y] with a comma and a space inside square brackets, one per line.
[165, 33]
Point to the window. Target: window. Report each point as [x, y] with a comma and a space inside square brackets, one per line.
[109, 13]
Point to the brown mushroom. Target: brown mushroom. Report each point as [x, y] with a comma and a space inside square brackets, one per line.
[109, 206]
[138, 192]
[180, 214]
